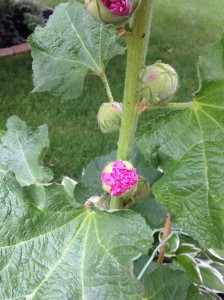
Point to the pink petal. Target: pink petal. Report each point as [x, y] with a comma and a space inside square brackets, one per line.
[151, 77]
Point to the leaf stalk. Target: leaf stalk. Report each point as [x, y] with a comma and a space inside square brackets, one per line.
[174, 106]
[107, 86]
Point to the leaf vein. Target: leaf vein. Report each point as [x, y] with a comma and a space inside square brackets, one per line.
[84, 46]
[37, 237]
[24, 158]
[63, 59]
[65, 251]
[211, 118]
[107, 250]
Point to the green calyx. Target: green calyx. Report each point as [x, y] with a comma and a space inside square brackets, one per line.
[142, 191]
[105, 14]
[158, 82]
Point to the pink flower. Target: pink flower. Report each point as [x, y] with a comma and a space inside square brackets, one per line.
[117, 7]
[119, 177]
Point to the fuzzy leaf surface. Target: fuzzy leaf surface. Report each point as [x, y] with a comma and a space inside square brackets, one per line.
[71, 44]
[22, 150]
[168, 282]
[189, 146]
[58, 254]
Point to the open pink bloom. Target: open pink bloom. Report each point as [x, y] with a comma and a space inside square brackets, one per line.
[117, 7]
[121, 179]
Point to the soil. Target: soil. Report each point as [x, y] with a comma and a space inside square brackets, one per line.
[14, 30]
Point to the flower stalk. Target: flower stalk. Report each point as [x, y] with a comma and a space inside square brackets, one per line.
[137, 45]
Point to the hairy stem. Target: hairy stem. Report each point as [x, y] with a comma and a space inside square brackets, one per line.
[137, 45]
[173, 106]
[107, 87]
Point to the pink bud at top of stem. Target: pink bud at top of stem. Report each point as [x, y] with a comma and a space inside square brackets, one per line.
[119, 177]
[112, 12]
[117, 7]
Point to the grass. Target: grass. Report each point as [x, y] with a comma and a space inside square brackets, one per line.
[180, 31]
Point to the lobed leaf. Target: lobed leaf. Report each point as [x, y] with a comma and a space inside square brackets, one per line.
[71, 44]
[22, 150]
[66, 254]
[189, 146]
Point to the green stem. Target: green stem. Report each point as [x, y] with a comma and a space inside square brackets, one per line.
[137, 45]
[107, 86]
[173, 106]
[102, 199]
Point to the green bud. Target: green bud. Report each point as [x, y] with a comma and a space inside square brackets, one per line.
[110, 12]
[158, 82]
[109, 116]
[142, 191]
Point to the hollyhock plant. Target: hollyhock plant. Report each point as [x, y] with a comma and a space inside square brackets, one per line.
[119, 178]
[54, 247]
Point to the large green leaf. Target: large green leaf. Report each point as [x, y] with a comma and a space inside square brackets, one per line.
[69, 45]
[189, 146]
[168, 282]
[21, 150]
[58, 254]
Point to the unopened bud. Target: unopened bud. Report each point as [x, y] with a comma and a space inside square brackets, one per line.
[95, 200]
[112, 12]
[158, 82]
[109, 116]
[142, 191]
[119, 178]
